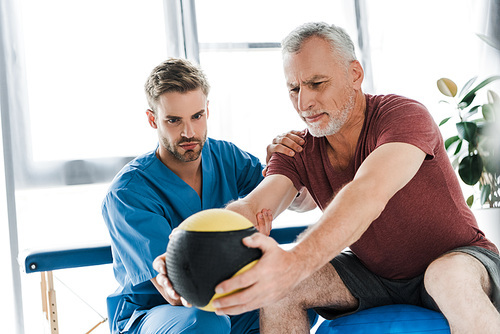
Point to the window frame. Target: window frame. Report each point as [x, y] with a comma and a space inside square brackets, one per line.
[181, 41]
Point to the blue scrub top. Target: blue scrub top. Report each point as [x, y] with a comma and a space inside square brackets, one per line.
[146, 201]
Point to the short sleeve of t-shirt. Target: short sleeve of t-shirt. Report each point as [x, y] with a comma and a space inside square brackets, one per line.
[388, 119]
[398, 119]
[287, 166]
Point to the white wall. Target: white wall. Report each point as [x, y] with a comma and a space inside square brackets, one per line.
[8, 324]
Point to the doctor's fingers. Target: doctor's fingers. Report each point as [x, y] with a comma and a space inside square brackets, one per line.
[159, 264]
[167, 286]
[185, 302]
[264, 221]
[287, 143]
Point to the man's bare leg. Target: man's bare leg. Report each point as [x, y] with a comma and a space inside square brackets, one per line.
[460, 285]
[289, 315]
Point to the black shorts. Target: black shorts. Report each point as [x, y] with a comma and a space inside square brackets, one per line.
[372, 290]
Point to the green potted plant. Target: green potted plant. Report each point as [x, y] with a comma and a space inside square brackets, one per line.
[475, 148]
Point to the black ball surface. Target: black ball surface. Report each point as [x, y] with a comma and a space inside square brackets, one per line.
[205, 250]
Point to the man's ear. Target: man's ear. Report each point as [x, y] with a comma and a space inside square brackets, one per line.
[357, 73]
[151, 118]
[208, 111]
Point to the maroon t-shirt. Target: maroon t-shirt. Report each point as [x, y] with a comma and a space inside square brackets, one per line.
[423, 220]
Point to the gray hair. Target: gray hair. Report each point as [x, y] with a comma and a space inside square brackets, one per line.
[174, 75]
[341, 43]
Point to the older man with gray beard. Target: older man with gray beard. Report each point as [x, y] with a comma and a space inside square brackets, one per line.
[378, 169]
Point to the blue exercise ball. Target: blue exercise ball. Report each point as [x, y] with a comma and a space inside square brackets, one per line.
[388, 319]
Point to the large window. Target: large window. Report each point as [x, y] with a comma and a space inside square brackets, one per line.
[79, 116]
[240, 51]
[414, 43]
[86, 63]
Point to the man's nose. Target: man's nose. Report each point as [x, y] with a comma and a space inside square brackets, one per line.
[188, 130]
[305, 99]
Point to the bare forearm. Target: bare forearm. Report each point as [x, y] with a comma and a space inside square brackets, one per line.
[386, 170]
[245, 208]
[303, 202]
[274, 193]
[343, 222]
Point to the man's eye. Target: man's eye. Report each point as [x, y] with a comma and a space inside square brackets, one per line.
[294, 90]
[317, 84]
[172, 121]
[197, 116]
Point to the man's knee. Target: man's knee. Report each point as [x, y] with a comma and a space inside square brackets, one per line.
[456, 271]
[178, 319]
[323, 288]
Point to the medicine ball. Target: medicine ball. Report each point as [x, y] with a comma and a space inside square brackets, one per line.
[205, 250]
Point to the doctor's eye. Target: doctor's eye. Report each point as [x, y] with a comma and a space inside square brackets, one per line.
[173, 120]
[198, 116]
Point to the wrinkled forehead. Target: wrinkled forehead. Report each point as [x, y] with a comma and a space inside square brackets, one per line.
[314, 59]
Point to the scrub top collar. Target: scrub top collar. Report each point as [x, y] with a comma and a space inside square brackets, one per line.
[190, 194]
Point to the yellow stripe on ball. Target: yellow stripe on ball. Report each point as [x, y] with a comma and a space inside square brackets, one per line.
[209, 307]
[215, 220]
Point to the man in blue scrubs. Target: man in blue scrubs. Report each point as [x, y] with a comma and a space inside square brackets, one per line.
[154, 193]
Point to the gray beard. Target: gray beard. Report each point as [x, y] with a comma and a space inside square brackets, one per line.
[334, 124]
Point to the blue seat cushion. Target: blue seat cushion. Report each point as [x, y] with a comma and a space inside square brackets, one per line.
[388, 319]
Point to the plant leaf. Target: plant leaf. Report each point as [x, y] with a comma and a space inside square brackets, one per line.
[493, 97]
[471, 112]
[488, 112]
[494, 100]
[444, 121]
[485, 193]
[467, 100]
[467, 131]
[470, 169]
[450, 141]
[447, 87]
[462, 105]
[470, 200]
[459, 147]
[467, 86]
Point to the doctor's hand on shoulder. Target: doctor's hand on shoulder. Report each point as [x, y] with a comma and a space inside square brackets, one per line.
[287, 143]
